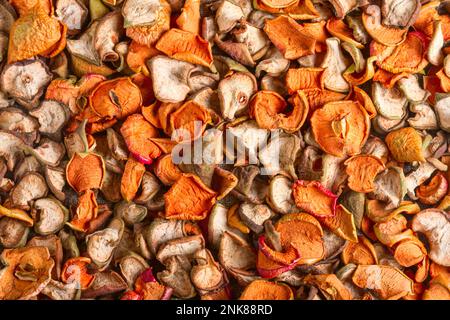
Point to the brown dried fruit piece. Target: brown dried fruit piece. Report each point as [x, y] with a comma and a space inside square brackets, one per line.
[188, 199]
[329, 285]
[267, 290]
[27, 272]
[185, 46]
[271, 111]
[362, 171]
[85, 171]
[341, 128]
[388, 282]
[131, 179]
[314, 198]
[405, 145]
[289, 37]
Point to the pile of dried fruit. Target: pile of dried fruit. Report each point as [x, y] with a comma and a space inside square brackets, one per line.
[346, 197]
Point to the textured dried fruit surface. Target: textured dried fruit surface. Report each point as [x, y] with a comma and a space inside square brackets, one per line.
[229, 149]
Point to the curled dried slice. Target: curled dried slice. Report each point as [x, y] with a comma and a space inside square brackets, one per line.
[227, 15]
[405, 145]
[433, 192]
[303, 232]
[356, 74]
[185, 46]
[390, 103]
[330, 286]
[341, 127]
[25, 81]
[85, 171]
[189, 18]
[342, 223]
[412, 90]
[73, 13]
[140, 13]
[312, 197]
[361, 252]
[388, 282]
[335, 63]
[289, 37]
[184, 122]
[280, 195]
[75, 271]
[52, 117]
[166, 170]
[188, 199]
[442, 111]
[388, 36]
[434, 54]
[254, 215]
[337, 28]
[131, 179]
[27, 271]
[85, 212]
[170, 78]
[32, 186]
[115, 98]
[378, 212]
[304, 78]
[266, 290]
[138, 134]
[319, 97]
[50, 215]
[435, 225]
[362, 171]
[401, 13]
[409, 252]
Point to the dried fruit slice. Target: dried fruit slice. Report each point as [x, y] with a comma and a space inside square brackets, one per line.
[378, 212]
[337, 28]
[304, 78]
[335, 63]
[341, 127]
[189, 18]
[166, 170]
[188, 199]
[342, 224]
[312, 197]
[361, 252]
[433, 192]
[86, 211]
[266, 290]
[355, 78]
[330, 286]
[138, 134]
[75, 271]
[117, 98]
[85, 171]
[388, 282]
[289, 37]
[188, 122]
[16, 214]
[401, 13]
[428, 14]
[409, 252]
[319, 97]
[388, 36]
[405, 145]
[131, 179]
[185, 46]
[362, 170]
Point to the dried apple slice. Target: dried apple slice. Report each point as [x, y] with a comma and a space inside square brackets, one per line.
[131, 179]
[227, 15]
[390, 103]
[185, 46]
[337, 28]
[75, 271]
[266, 290]
[50, 215]
[433, 192]
[280, 195]
[401, 14]
[388, 36]
[184, 122]
[361, 252]
[289, 37]
[405, 145]
[342, 223]
[304, 78]
[362, 171]
[137, 133]
[166, 170]
[388, 282]
[189, 18]
[341, 127]
[330, 286]
[140, 13]
[188, 199]
[85, 171]
[52, 117]
[335, 63]
[72, 13]
[355, 78]
[378, 212]
[324, 204]
[319, 97]
[409, 252]
[31, 186]
[412, 90]
[16, 214]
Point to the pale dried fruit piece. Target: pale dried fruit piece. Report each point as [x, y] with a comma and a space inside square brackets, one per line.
[312, 197]
[405, 145]
[434, 54]
[330, 286]
[85, 171]
[253, 38]
[362, 171]
[32, 186]
[48, 152]
[442, 111]
[390, 103]
[105, 283]
[151, 26]
[170, 78]
[237, 51]
[73, 13]
[335, 63]
[435, 225]
[342, 7]
[218, 224]
[280, 195]
[267, 290]
[83, 47]
[185, 46]
[7, 16]
[207, 275]
[412, 90]
[341, 127]
[50, 216]
[188, 199]
[390, 186]
[388, 36]
[177, 276]
[254, 215]
[15, 120]
[140, 13]
[25, 81]
[401, 13]
[227, 15]
[234, 93]
[377, 211]
[289, 37]
[185, 246]
[13, 233]
[27, 272]
[52, 117]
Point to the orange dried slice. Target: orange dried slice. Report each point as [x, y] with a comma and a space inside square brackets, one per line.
[364, 99]
[304, 78]
[75, 270]
[164, 111]
[189, 121]
[361, 252]
[234, 221]
[86, 211]
[116, 98]
[337, 28]
[300, 10]
[131, 179]
[145, 85]
[223, 182]
[85, 171]
[357, 79]
[289, 37]
[279, 4]
[405, 145]
[150, 114]
[81, 68]
[314, 198]
[362, 171]
[341, 128]
[16, 214]
[444, 80]
[189, 18]
[185, 46]
[267, 290]
[367, 228]
[188, 199]
[287, 257]
[304, 232]
[376, 210]
[23, 7]
[137, 133]
[330, 285]
[318, 97]
[341, 224]
[388, 79]
[137, 56]
[409, 252]
[428, 14]
[388, 36]
[33, 34]
[166, 170]
[269, 109]
[388, 282]
[433, 191]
